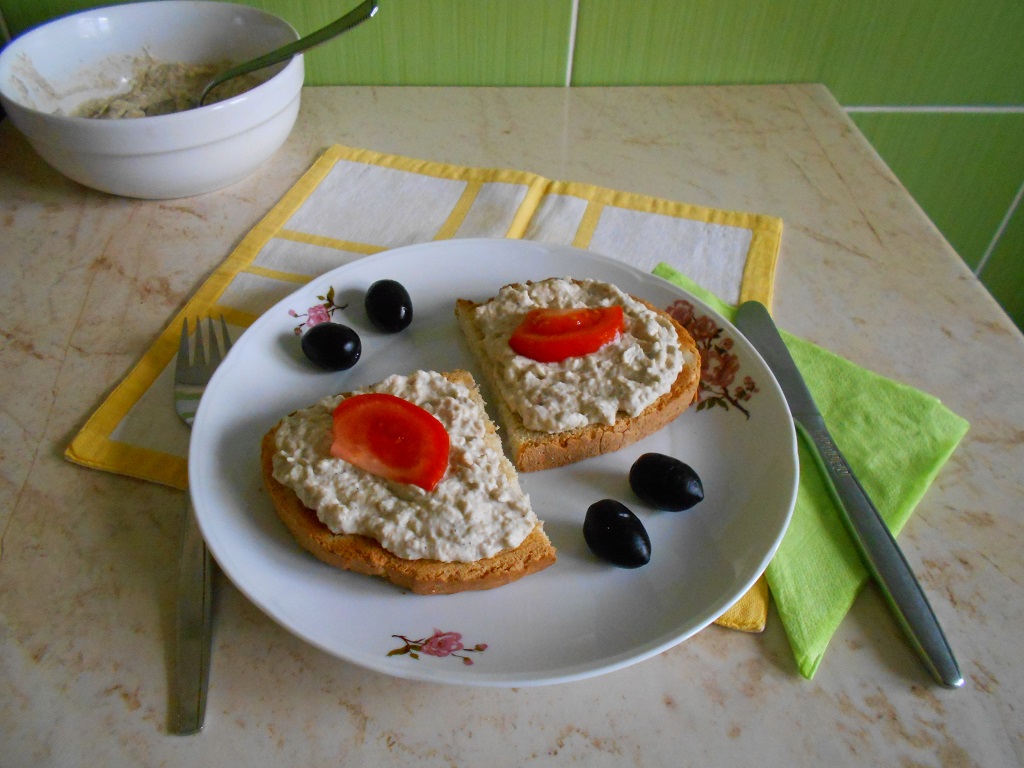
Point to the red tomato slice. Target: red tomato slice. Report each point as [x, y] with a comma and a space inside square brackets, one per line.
[552, 335]
[391, 438]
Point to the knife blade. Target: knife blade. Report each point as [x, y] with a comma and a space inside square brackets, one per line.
[882, 555]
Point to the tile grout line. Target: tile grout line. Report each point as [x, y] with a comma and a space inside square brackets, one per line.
[999, 231]
[574, 17]
[960, 109]
[951, 109]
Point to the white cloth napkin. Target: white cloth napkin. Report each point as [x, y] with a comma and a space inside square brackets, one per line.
[356, 202]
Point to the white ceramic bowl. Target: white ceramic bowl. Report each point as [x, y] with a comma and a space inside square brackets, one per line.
[55, 67]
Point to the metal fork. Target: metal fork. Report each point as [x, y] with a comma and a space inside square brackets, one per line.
[192, 376]
[193, 624]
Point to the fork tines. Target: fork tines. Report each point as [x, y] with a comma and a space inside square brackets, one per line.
[193, 373]
[200, 367]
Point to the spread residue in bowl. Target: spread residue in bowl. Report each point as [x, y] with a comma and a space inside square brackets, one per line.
[161, 88]
[135, 85]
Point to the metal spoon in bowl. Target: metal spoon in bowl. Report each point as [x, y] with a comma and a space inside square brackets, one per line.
[357, 15]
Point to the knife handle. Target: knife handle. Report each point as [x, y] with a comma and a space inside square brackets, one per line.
[884, 558]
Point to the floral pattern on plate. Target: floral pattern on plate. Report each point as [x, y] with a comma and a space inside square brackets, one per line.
[318, 313]
[719, 366]
[440, 644]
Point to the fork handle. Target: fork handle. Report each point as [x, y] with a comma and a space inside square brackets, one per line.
[193, 630]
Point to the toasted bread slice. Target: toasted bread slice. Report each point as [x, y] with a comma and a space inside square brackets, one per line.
[365, 555]
[533, 450]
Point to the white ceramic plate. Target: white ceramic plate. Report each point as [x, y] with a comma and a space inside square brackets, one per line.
[580, 617]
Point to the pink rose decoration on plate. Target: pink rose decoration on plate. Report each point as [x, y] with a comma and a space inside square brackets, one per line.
[440, 645]
[318, 313]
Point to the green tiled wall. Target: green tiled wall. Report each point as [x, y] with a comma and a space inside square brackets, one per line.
[948, 76]
[867, 51]
[963, 169]
[437, 42]
[1003, 273]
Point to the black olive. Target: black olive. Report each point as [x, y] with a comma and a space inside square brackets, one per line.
[332, 346]
[388, 306]
[665, 482]
[615, 534]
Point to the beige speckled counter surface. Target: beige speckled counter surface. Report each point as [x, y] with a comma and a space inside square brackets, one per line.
[88, 559]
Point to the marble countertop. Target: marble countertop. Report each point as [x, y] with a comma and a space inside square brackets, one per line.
[87, 559]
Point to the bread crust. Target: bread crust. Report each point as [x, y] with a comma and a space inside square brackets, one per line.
[363, 554]
[533, 450]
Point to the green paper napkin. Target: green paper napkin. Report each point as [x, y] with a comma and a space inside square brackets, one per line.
[895, 438]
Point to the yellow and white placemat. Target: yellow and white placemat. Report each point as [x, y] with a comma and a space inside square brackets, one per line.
[356, 202]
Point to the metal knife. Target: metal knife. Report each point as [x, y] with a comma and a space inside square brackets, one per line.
[880, 551]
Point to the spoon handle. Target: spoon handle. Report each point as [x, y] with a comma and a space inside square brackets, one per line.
[357, 15]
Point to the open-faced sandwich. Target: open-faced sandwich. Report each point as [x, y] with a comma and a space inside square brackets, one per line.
[405, 480]
[578, 368]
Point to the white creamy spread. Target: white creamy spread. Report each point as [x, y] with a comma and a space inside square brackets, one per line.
[165, 87]
[474, 512]
[623, 376]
